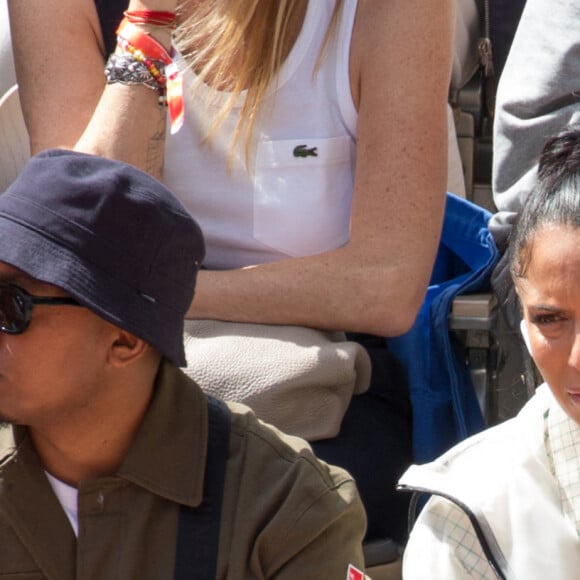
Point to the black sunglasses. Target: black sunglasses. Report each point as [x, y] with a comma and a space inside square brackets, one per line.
[16, 307]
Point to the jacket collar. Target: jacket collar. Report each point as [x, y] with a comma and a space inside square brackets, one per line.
[168, 454]
[175, 427]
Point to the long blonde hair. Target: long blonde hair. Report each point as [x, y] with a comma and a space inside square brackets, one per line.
[245, 36]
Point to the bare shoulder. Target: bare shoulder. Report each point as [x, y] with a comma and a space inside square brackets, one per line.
[402, 14]
[387, 30]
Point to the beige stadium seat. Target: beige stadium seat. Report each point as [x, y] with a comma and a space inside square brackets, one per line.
[14, 145]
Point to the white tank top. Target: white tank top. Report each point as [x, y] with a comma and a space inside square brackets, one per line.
[295, 197]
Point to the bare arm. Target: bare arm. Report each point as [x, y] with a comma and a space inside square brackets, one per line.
[400, 67]
[59, 57]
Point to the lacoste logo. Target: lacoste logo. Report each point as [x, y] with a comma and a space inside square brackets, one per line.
[304, 151]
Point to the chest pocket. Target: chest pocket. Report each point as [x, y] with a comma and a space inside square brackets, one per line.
[302, 194]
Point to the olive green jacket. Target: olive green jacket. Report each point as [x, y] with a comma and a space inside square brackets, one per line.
[284, 513]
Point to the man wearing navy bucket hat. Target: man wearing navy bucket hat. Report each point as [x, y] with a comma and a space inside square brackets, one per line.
[113, 463]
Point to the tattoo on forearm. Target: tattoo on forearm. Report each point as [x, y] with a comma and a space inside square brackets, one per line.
[156, 147]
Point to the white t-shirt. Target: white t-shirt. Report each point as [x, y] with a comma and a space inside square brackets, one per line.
[67, 496]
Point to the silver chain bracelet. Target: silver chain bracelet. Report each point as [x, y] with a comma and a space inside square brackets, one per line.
[127, 70]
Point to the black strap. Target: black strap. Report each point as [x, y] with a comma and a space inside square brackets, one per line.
[485, 536]
[198, 532]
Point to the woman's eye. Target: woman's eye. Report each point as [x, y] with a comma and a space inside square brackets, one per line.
[546, 319]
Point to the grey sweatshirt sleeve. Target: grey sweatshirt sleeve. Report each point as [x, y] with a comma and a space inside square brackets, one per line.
[538, 95]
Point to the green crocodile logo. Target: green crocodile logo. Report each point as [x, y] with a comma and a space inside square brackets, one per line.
[304, 151]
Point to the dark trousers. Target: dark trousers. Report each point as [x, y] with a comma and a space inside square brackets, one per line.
[375, 443]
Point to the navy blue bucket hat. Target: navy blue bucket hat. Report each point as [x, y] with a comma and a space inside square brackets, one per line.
[111, 236]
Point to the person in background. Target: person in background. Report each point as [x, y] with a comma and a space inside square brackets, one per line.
[114, 464]
[537, 96]
[311, 149]
[506, 502]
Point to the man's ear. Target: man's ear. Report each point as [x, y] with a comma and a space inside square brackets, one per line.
[126, 348]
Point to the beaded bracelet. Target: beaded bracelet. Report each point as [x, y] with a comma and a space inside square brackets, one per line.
[155, 68]
[160, 65]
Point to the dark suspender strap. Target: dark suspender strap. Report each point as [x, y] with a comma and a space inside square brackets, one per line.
[198, 532]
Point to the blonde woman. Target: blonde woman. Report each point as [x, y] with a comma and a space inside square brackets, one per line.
[313, 154]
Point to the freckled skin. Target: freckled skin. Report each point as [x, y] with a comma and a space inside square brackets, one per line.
[550, 296]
